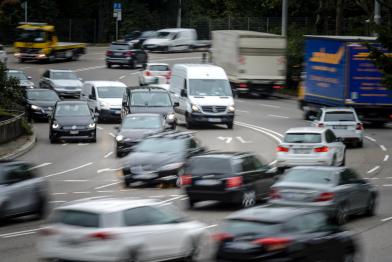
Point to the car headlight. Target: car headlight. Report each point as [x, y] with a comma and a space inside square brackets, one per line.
[55, 125]
[105, 105]
[231, 108]
[34, 107]
[170, 116]
[119, 138]
[195, 108]
[171, 166]
[91, 125]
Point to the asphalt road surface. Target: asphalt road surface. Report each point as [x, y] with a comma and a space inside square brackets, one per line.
[82, 170]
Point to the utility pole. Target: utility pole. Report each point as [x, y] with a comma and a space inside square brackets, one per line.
[377, 12]
[179, 14]
[284, 17]
[24, 6]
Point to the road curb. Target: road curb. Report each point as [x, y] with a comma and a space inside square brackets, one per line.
[21, 150]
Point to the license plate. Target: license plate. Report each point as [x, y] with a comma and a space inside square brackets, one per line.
[214, 120]
[339, 127]
[301, 151]
[208, 182]
[295, 196]
[146, 176]
[117, 112]
[74, 132]
[117, 53]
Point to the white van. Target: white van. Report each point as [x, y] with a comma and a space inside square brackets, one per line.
[172, 39]
[203, 93]
[104, 98]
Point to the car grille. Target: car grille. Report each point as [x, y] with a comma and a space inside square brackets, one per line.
[30, 50]
[70, 87]
[74, 127]
[214, 109]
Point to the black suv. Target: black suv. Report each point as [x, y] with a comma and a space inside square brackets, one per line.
[123, 54]
[239, 178]
[149, 100]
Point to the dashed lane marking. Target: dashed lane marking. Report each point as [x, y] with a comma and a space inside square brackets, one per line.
[108, 154]
[373, 169]
[267, 132]
[82, 192]
[75, 180]
[285, 117]
[370, 138]
[386, 158]
[69, 170]
[112, 135]
[121, 77]
[41, 165]
[106, 191]
[242, 111]
[386, 219]
[108, 170]
[383, 148]
[387, 185]
[83, 144]
[55, 194]
[111, 184]
[100, 128]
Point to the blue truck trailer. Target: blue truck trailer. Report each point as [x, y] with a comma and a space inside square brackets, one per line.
[339, 73]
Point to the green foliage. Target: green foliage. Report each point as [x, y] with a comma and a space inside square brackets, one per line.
[11, 96]
[28, 130]
[295, 55]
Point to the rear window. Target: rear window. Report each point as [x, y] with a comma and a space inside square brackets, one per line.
[119, 47]
[159, 68]
[339, 116]
[244, 227]
[302, 138]
[152, 99]
[76, 218]
[310, 176]
[202, 165]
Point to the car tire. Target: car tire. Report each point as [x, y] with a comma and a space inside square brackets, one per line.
[3, 213]
[108, 65]
[191, 203]
[119, 154]
[371, 206]
[133, 64]
[52, 140]
[341, 214]
[94, 139]
[359, 144]
[230, 125]
[133, 257]
[174, 125]
[188, 123]
[75, 55]
[248, 199]
[349, 257]
[21, 60]
[343, 163]
[42, 208]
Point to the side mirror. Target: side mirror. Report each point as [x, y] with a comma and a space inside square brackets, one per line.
[176, 104]
[29, 78]
[183, 93]
[91, 97]
[124, 103]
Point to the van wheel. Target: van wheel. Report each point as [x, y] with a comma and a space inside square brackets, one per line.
[188, 123]
[248, 199]
[75, 55]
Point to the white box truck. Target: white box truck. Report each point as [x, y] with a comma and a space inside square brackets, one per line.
[255, 62]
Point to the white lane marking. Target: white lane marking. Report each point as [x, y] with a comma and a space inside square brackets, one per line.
[177, 195]
[57, 201]
[210, 226]
[25, 67]
[112, 135]
[121, 77]
[105, 191]
[242, 140]
[64, 144]
[170, 199]
[267, 105]
[373, 169]
[386, 219]
[242, 111]
[183, 199]
[100, 128]
[81, 192]
[41, 165]
[286, 117]
[263, 128]
[277, 139]
[19, 232]
[226, 139]
[88, 68]
[55, 194]
[75, 180]
[108, 154]
[373, 178]
[386, 158]
[83, 144]
[387, 185]
[108, 170]
[157, 196]
[383, 148]
[273, 162]
[107, 185]
[69, 170]
[22, 234]
[229, 139]
[370, 138]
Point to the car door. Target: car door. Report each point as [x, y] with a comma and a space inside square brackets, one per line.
[360, 187]
[335, 144]
[249, 174]
[263, 179]
[348, 191]
[92, 98]
[45, 83]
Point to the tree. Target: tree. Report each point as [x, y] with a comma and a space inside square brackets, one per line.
[11, 96]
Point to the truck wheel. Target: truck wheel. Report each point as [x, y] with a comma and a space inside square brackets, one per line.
[51, 58]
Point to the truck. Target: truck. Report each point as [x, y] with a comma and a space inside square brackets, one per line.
[255, 62]
[38, 41]
[339, 73]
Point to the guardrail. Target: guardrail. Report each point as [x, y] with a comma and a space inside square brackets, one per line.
[11, 128]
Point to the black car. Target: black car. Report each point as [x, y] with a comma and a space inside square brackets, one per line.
[134, 128]
[137, 38]
[144, 99]
[159, 158]
[72, 120]
[39, 103]
[283, 234]
[239, 178]
[124, 54]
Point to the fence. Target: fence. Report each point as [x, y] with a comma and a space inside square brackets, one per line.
[11, 128]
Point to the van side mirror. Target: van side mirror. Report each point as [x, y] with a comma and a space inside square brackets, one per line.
[183, 93]
[176, 104]
[124, 103]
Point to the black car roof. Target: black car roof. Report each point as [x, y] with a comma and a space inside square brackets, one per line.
[147, 88]
[143, 114]
[172, 134]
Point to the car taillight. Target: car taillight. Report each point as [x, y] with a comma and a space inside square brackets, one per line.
[168, 75]
[241, 60]
[277, 87]
[147, 73]
[101, 236]
[129, 53]
[325, 196]
[222, 236]
[234, 182]
[359, 126]
[109, 53]
[322, 149]
[390, 116]
[282, 149]
[320, 125]
[48, 231]
[273, 243]
[274, 193]
[243, 85]
[186, 180]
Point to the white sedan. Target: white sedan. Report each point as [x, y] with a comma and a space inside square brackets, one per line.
[152, 71]
[122, 230]
[310, 146]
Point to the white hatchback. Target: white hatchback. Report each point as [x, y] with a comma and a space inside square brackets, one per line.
[122, 230]
[310, 146]
[152, 71]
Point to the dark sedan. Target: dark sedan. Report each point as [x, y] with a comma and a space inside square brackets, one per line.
[283, 234]
[134, 128]
[239, 178]
[39, 103]
[72, 120]
[123, 54]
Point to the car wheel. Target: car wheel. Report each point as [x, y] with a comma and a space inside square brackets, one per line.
[360, 144]
[52, 140]
[188, 124]
[75, 55]
[94, 139]
[133, 257]
[3, 213]
[349, 257]
[248, 199]
[174, 125]
[343, 163]
[41, 207]
[371, 206]
[21, 60]
[119, 154]
[341, 214]
[108, 65]
[230, 125]
[191, 203]
[133, 64]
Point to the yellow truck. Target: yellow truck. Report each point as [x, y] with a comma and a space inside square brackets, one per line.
[38, 41]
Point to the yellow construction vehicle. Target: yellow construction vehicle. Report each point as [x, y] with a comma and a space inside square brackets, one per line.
[38, 41]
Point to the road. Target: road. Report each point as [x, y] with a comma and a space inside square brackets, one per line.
[82, 170]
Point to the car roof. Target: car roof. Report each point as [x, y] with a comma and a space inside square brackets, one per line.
[150, 64]
[346, 109]
[269, 214]
[99, 83]
[147, 88]
[175, 30]
[74, 102]
[61, 70]
[202, 71]
[143, 114]
[317, 130]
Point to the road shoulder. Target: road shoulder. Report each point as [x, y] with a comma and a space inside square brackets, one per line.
[17, 147]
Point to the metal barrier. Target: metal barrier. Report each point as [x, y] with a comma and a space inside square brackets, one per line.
[11, 128]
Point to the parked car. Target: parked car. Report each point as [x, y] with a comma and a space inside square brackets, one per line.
[121, 230]
[283, 234]
[160, 159]
[137, 38]
[339, 191]
[239, 178]
[134, 128]
[149, 100]
[344, 122]
[39, 103]
[153, 70]
[310, 146]
[124, 54]
[65, 82]
[24, 80]
[171, 39]
[104, 98]
[72, 120]
[3, 55]
[22, 192]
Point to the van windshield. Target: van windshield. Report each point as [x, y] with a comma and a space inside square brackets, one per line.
[164, 35]
[209, 87]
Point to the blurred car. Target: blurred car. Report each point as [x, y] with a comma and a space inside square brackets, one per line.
[160, 82]
[72, 120]
[153, 70]
[22, 192]
[310, 146]
[283, 234]
[65, 82]
[3, 55]
[24, 80]
[122, 53]
[121, 230]
[239, 178]
[339, 191]
[134, 128]
[149, 100]
[39, 103]
[171, 39]
[137, 38]
[344, 122]
[104, 98]
[159, 159]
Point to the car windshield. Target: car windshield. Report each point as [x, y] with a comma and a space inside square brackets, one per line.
[209, 87]
[44, 95]
[244, 227]
[110, 91]
[72, 110]
[17, 74]
[64, 75]
[159, 68]
[119, 47]
[148, 34]
[76, 218]
[302, 138]
[161, 145]
[37, 36]
[142, 122]
[213, 165]
[339, 116]
[313, 176]
[156, 99]
[163, 34]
